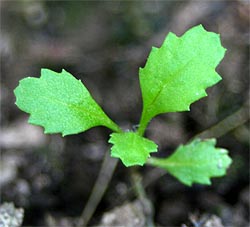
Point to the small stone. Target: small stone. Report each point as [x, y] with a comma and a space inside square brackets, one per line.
[10, 216]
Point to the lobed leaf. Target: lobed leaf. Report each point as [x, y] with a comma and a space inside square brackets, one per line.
[131, 148]
[195, 162]
[60, 103]
[177, 73]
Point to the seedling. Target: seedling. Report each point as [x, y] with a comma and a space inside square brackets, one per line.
[175, 75]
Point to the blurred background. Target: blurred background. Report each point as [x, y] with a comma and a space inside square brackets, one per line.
[104, 43]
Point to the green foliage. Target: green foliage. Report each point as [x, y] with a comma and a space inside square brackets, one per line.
[60, 103]
[177, 73]
[131, 148]
[195, 162]
[175, 76]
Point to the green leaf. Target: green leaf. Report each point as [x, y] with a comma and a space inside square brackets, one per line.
[196, 162]
[177, 73]
[60, 103]
[131, 148]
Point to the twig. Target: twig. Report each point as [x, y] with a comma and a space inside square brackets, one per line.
[140, 191]
[228, 124]
[106, 172]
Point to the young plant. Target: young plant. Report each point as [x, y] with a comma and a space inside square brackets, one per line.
[175, 75]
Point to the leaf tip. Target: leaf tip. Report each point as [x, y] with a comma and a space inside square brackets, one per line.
[65, 71]
[45, 71]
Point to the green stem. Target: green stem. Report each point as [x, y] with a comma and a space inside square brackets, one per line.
[158, 162]
[144, 121]
[114, 127]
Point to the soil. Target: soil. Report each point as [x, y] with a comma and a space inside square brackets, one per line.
[103, 43]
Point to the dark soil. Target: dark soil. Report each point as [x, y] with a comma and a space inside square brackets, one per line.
[103, 43]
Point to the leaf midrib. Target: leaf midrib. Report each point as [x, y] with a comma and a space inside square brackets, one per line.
[78, 107]
[171, 77]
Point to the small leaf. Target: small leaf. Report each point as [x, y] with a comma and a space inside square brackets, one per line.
[196, 162]
[60, 103]
[131, 148]
[177, 73]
